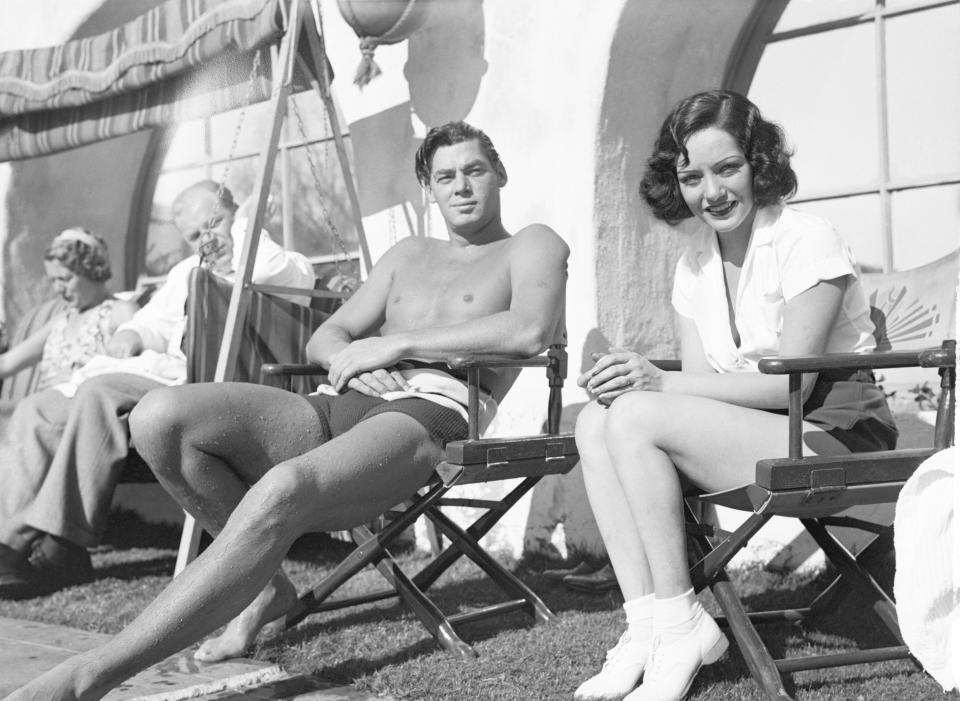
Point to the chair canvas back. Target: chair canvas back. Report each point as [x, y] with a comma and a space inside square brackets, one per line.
[276, 330]
[914, 308]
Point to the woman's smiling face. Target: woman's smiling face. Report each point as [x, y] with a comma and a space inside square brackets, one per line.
[716, 181]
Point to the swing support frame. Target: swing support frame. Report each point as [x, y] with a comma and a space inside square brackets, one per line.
[303, 20]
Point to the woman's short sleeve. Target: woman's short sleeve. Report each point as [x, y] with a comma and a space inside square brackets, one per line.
[811, 251]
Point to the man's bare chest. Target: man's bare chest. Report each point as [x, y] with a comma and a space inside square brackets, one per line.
[437, 290]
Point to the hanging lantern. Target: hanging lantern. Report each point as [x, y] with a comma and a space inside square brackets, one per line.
[380, 22]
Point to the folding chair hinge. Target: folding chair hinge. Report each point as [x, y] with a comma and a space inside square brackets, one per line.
[553, 452]
[828, 480]
[496, 457]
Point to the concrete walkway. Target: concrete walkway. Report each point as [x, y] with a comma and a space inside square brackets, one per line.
[27, 649]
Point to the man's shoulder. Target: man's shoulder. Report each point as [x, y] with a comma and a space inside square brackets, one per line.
[540, 237]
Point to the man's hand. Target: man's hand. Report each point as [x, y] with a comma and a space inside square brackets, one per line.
[379, 382]
[617, 372]
[124, 344]
[216, 251]
[363, 357]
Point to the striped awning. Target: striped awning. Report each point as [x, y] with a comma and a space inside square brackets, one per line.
[182, 60]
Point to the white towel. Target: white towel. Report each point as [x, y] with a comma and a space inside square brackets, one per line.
[161, 367]
[926, 586]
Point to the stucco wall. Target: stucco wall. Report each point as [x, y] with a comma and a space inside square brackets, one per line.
[571, 93]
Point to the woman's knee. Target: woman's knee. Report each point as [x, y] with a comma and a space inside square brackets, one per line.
[589, 429]
[634, 415]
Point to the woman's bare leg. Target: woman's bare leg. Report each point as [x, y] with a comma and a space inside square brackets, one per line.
[346, 481]
[652, 437]
[609, 504]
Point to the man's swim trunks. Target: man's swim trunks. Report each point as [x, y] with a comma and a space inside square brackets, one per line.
[339, 413]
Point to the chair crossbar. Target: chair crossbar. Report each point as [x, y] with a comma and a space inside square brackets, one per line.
[488, 612]
[842, 659]
[849, 567]
[849, 522]
[472, 503]
[503, 577]
[477, 530]
[371, 550]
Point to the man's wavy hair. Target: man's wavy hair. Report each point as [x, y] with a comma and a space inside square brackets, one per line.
[447, 135]
[81, 258]
[762, 142]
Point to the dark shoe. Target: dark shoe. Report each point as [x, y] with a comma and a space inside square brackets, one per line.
[558, 575]
[600, 581]
[60, 563]
[17, 578]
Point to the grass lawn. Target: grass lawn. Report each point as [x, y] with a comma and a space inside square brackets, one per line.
[383, 649]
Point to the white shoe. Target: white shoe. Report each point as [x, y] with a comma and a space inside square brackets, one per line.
[671, 667]
[620, 673]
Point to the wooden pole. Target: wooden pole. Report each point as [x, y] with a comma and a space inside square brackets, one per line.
[321, 84]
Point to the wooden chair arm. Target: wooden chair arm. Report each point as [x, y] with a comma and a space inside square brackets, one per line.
[292, 369]
[483, 360]
[834, 361]
[945, 357]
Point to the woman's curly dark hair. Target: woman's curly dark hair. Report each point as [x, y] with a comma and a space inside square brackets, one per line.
[762, 142]
[80, 257]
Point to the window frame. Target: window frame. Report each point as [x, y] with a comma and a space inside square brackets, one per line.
[741, 75]
[152, 169]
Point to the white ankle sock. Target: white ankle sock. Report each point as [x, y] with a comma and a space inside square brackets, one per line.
[675, 617]
[640, 616]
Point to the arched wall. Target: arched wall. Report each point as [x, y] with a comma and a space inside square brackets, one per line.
[658, 56]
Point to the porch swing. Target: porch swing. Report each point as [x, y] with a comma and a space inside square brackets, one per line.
[147, 74]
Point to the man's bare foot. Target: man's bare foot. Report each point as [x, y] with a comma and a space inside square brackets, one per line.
[274, 601]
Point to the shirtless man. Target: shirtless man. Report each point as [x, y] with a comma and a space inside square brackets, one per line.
[259, 467]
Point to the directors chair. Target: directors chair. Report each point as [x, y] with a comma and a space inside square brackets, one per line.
[914, 313]
[471, 461]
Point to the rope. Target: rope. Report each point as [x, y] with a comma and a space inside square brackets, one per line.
[368, 68]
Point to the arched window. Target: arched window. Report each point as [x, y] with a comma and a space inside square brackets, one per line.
[868, 92]
[308, 209]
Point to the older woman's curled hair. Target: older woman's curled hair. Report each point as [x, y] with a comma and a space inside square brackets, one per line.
[762, 142]
[81, 252]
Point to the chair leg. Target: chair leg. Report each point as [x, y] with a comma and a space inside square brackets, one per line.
[505, 579]
[429, 574]
[425, 610]
[367, 552]
[761, 664]
[853, 570]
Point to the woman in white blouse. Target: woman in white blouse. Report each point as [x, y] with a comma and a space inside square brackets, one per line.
[759, 279]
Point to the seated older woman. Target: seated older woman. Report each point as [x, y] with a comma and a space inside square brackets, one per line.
[78, 263]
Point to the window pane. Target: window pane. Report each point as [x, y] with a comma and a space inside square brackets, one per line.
[821, 89]
[923, 56]
[803, 13]
[187, 146]
[250, 137]
[165, 248]
[857, 219]
[926, 225]
[313, 116]
[319, 207]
